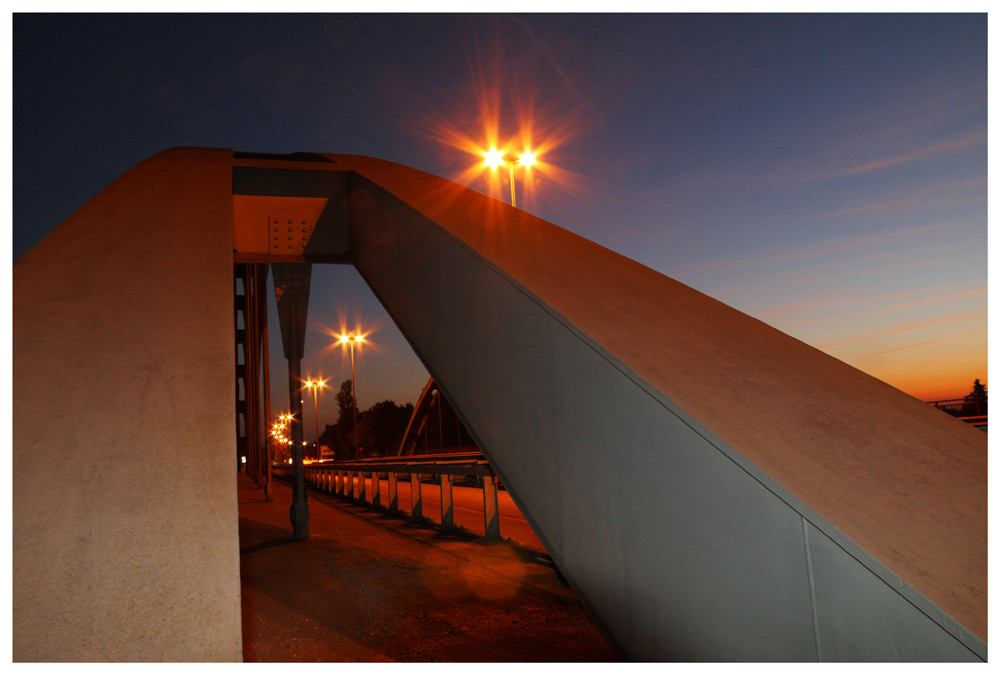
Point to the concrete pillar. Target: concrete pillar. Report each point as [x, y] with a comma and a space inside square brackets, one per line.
[376, 489]
[491, 511]
[393, 493]
[125, 523]
[416, 504]
[298, 512]
[291, 288]
[447, 508]
[760, 499]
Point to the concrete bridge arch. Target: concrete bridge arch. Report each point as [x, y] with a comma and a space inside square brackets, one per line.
[712, 488]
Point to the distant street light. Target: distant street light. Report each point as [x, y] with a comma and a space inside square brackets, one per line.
[351, 340]
[494, 158]
[316, 385]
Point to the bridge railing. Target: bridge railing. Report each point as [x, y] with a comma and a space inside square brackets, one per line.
[338, 478]
[970, 406]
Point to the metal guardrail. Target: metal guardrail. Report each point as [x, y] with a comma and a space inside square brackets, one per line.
[338, 478]
[972, 409]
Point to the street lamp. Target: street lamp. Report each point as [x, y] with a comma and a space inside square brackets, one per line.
[351, 340]
[316, 385]
[279, 429]
[494, 158]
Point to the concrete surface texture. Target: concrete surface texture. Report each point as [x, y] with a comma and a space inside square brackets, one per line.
[370, 587]
[712, 488]
[125, 542]
[827, 454]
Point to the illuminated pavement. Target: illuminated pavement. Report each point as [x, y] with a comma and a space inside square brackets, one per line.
[467, 509]
[369, 587]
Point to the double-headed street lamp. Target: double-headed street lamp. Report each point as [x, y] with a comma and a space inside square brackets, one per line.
[316, 385]
[351, 340]
[494, 158]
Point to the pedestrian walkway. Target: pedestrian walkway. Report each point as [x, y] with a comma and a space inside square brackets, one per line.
[367, 587]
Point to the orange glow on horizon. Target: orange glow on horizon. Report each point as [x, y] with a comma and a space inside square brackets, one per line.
[934, 371]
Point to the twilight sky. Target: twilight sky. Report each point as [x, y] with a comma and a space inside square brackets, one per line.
[826, 174]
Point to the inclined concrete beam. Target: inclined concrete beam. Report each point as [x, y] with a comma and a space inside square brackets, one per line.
[125, 539]
[712, 488]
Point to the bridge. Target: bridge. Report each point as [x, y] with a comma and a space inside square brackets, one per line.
[711, 488]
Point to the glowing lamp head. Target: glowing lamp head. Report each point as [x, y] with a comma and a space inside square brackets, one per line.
[527, 159]
[359, 338]
[494, 158]
[344, 339]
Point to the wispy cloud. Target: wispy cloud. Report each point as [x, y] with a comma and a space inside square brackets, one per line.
[974, 138]
[838, 299]
[922, 344]
[904, 329]
[895, 134]
[971, 192]
[834, 247]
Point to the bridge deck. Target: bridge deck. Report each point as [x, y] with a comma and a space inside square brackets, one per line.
[368, 587]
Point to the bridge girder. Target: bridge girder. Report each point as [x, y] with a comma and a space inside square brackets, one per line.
[712, 488]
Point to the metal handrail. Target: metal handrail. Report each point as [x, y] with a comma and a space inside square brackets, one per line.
[466, 464]
[970, 406]
[338, 478]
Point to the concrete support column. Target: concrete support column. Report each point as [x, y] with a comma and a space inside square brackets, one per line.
[122, 343]
[376, 489]
[416, 504]
[447, 508]
[268, 459]
[393, 494]
[298, 512]
[491, 511]
[291, 288]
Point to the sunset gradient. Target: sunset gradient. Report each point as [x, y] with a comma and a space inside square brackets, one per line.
[825, 174]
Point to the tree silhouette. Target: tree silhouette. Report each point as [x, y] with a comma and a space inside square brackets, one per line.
[975, 402]
[382, 426]
[339, 437]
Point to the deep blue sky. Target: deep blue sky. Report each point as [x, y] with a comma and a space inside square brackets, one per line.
[824, 173]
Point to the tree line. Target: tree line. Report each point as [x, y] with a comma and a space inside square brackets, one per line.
[379, 431]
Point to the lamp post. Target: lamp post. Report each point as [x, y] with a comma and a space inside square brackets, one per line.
[280, 428]
[351, 340]
[315, 385]
[494, 158]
